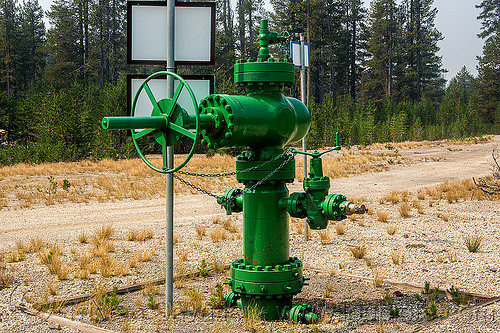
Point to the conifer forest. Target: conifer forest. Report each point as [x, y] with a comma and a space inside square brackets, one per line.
[375, 75]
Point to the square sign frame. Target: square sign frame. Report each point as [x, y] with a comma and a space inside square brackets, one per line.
[295, 54]
[199, 84]
[147, 33]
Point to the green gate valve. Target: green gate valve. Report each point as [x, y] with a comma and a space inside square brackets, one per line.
[168, 121]
[315, 203]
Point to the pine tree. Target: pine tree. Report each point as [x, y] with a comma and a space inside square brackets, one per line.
[66, 55]
[31, 60]
[424, 73]
[8, 42]
[490, 16]
[381, 46]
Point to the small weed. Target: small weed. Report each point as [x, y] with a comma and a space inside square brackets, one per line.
[328, 290]
[109, 303]
[228, 225]
[394, 312]
[418, 297]
[146, 255]
[218, 264]
[52, 288]
[444, 216]
[183, 255]
[216, 300]
[397, 258]
[252, 316]
[473, 243]
[432, 311]
[203, 271]
[457, 296]
[368, 261]
[152, 302]
[388, 298]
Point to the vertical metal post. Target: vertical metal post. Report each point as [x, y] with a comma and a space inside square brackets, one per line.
[303, 98]
[169, 251]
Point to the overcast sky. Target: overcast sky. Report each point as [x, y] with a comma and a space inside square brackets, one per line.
[456, 19]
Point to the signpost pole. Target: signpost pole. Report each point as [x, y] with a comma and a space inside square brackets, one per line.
[303, 98]
[169, 275]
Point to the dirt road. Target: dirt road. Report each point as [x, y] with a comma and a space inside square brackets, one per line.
[427, 166]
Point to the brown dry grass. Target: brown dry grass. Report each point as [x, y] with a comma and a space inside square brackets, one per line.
[359, 251]
[382, 215]
[218, 234]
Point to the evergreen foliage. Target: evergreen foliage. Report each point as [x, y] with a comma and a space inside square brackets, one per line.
[375, 75]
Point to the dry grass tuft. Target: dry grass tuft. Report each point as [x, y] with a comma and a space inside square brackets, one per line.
[358, 251]
[382, 215]
[378, 279]
[404, 209]
[83, 238]
[473, 243]
[218, 235]
[325, 237]
[34, 244]
[195, 300]
[217, 264]
[397, 258]
[146, 255]
[228, 225]
[340, 228]
[200, 231]
[396, 196]
[183, 255]
[391, 229]
[140, 235]
[444, 216]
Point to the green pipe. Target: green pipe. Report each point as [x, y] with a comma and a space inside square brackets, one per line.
[157, 122]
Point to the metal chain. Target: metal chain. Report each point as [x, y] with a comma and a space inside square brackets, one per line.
[197, 188]
[260, 182]
[225, 174]
[289, 157]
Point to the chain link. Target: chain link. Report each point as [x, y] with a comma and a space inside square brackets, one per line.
[246, 190]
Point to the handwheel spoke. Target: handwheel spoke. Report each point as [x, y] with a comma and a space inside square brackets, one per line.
[143, 133]
[174, 99]
[152, 98]
[181, 130]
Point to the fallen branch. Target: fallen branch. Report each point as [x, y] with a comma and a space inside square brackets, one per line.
[76, 325]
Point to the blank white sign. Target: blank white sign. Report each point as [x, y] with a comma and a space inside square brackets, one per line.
[193, 33]
[201, 89]
[295, 51]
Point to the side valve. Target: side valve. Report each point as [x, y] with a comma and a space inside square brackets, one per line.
[231, 200]
[315, 203]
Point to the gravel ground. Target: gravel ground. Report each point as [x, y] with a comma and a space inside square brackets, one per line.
[429, 247]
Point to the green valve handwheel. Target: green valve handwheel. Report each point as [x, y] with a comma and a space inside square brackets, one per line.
[176, 120]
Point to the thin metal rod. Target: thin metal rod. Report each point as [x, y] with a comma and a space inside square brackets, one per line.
[303, 98]
[169, 236]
